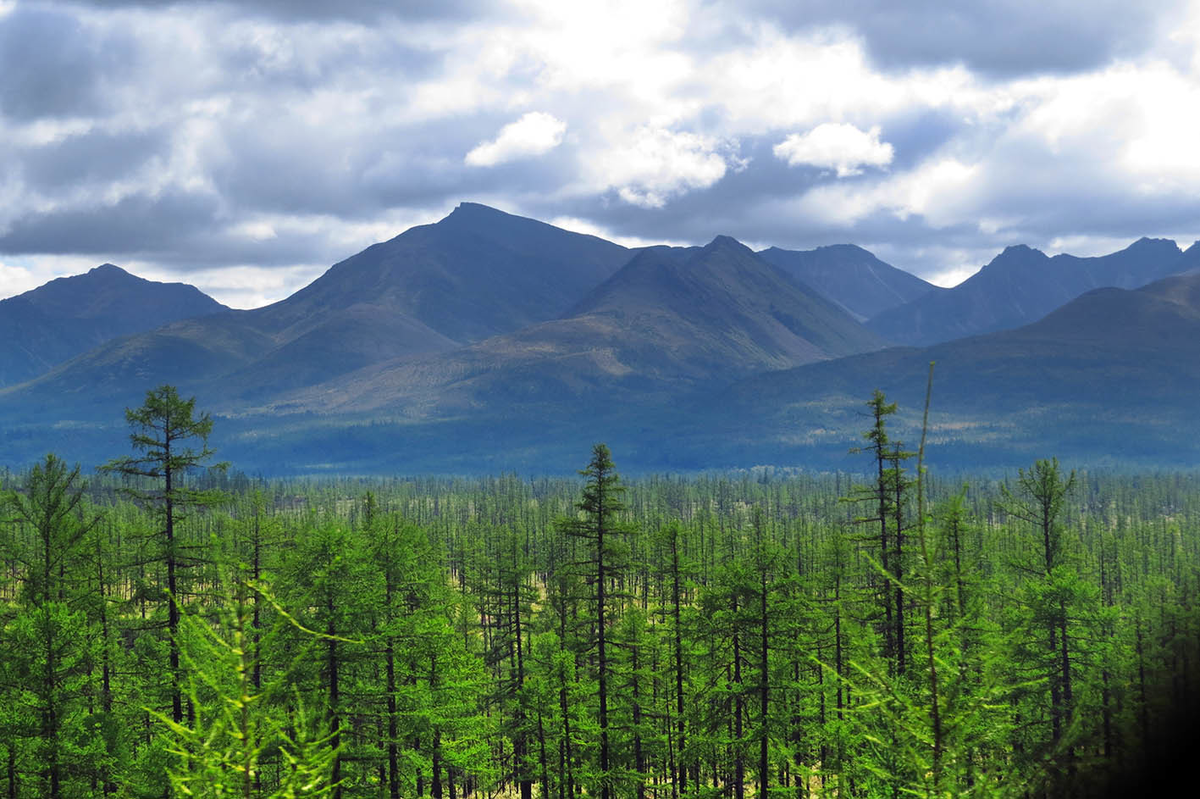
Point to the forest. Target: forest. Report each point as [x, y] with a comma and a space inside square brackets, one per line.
[172, 627]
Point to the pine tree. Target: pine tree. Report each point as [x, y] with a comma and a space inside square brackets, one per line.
[599, 526]
[166, 432]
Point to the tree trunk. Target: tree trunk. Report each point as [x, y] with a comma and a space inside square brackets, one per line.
[765, 678]
[682, 768]
[739, 764]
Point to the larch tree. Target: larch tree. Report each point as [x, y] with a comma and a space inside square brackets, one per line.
[599, 526]
[171, 442]
[48, 645]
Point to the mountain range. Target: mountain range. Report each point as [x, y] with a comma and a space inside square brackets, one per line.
[71, 315]
[491, 341]
[1021, 285]
[852, 277]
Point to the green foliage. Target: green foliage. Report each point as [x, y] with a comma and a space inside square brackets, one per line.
[442, 637]
[237, 725]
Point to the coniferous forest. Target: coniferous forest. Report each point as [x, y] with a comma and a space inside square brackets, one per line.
[172, 627]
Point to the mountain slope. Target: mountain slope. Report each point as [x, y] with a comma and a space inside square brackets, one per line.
[659, 325]
[1020, 286]
[1113, 371]
[70, 315]
[851, 276]
[475, 273]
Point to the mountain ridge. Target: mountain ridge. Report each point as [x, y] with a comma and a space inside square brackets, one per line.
[68, 316]
[850, 276]
[1021, 285]
[658, 324]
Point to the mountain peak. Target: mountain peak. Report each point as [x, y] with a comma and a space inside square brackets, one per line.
[475, 209]
[1018, 249]
[1016, 255]
[71, 315]
[728, 243]
[1149, 246]
[107, 269]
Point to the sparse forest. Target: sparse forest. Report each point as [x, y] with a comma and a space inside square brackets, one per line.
[170, 627]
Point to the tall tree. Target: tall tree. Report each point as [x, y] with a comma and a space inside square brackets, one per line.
[598, 525]
[172, 442]
[49, 644]
[1040, 500]
[887, 497]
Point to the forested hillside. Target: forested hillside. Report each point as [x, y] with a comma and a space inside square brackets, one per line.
[170, 629]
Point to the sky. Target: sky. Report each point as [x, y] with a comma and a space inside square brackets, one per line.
[245, 147]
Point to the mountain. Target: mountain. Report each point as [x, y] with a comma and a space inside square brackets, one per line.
[68, 316]
[852, 277]
[476, 273]
[1113, 372]
[680, 358]
[1022, 285]
[662, 324]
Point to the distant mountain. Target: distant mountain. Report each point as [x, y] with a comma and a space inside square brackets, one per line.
[1021, 285]
[1109, 380]
[477, 273]
[680, 358]
[1113, 372]
[662, 324]
[68, 316]
[852, 277]
[474, 274]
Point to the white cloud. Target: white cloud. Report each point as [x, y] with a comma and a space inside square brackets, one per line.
[533, 134]
[336, 134]
[238, 286]
[941, 191]
[577, 225]
[655, 164]
[949, 278]
[17, 280]
[838, 146]
[254, 231]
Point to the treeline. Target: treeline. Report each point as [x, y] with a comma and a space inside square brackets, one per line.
[171, 630]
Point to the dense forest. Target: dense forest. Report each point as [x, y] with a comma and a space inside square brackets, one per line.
[172, 627]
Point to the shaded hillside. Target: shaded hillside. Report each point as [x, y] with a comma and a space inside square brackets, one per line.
[1113, 372]
[852, 277]
[660, 325]
[71, 315]
[475, 273]
[1021, 285]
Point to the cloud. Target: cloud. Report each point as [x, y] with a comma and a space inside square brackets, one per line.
[55, 64]
[153, 222]
[182, 135]
[1002, 38]
[367, 11]
[837, 146]
[533, 134]
[657, 164]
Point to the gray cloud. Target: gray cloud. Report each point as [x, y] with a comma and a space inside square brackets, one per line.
[136, 224]
[998, 37]
[93, 157]
[319, 118]
[54, 65]
[319, 10]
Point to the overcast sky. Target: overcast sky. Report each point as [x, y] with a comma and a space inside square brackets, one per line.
[244, 147]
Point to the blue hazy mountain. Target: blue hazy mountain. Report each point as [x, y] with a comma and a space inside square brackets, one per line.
[667, 321]
[476, 273]
[1021, 285]
[71, 315]
[852, 277]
